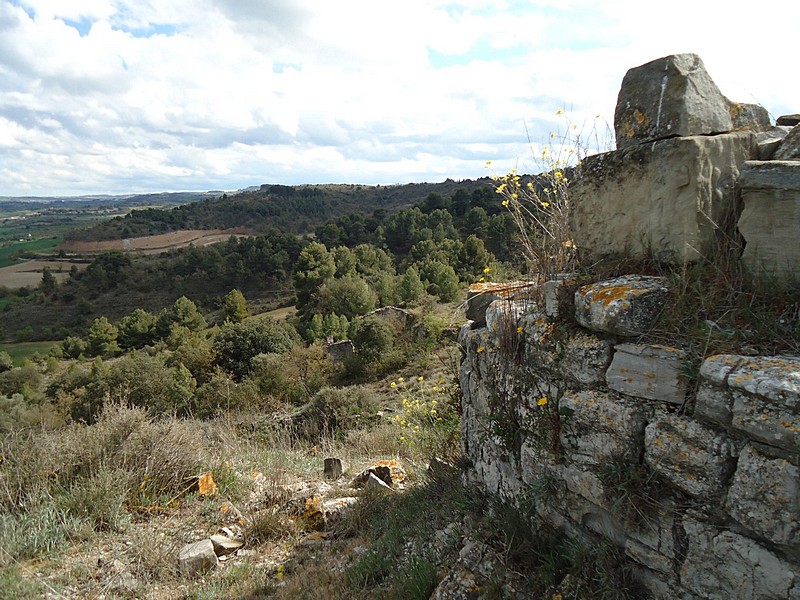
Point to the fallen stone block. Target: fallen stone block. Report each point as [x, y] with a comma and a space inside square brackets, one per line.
[197, 558]
[790, 146]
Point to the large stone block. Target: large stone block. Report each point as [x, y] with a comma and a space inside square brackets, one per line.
[721, 565]
[693, 457]
[770, 220]
[601, 427]
[667, 97]
[647, 371]
[666, 199]
[758, 396]
[765, 497]
[627, 306]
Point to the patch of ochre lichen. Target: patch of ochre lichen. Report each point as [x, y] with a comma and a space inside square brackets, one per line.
[613, 293]
[626, 130]
[640, 117]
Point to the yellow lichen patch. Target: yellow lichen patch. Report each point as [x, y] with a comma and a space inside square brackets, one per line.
[615, 293]
[640, 117]
[206, 486]
[397, 471]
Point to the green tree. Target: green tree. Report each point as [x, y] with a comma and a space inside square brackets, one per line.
[473, 258]
[411, 288]
[237, 343]
[48, 283]
[101, 339]
[441, 280]
[137, 329]
[372, 338]
[314, 266]
[345, 261]
[6, 363]
[234, 308]
[184, 312]
[144, 380]
[349, 296]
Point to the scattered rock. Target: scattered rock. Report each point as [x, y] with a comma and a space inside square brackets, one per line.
[197, 558]
[333, 468]
[337, 508]
[374, 482]
[789, 148]
[226, 541]
[790, 120]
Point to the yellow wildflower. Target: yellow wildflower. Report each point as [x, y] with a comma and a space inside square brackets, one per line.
[481, 349]
[420, 378]
[393, 384]
[542, 401]
[519, 329]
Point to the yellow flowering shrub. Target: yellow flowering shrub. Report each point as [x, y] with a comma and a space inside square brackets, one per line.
[428, 418]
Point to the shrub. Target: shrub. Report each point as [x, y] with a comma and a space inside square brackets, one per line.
[237, 344]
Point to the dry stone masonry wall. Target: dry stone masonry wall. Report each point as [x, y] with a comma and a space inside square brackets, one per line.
[695, 476]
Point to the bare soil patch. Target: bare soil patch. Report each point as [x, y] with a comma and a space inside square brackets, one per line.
[29, 273]
[152, 244]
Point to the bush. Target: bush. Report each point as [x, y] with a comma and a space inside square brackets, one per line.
[333, 410]
[238, 343]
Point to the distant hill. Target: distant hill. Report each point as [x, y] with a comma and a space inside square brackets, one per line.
[297, 209]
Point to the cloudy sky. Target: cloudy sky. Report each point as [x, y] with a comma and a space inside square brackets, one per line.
[118, 96]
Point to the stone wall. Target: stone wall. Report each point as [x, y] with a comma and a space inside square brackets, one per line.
[696, 476]
[595, 435]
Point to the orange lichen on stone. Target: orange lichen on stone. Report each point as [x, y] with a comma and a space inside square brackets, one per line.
[206, 485]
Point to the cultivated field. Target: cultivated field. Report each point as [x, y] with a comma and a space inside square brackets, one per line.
[152, 244]
[29, 272]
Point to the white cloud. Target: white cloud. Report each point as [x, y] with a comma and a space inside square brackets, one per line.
[124, 95]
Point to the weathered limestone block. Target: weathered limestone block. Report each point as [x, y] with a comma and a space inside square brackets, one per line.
[481, 295]
[770, 220]
[790, 146]
[502, 316]
[626, 306]
[654, 544]
[557, 351]
[602, 427]
[770, 140]
[788, 120]
[559, 296]
[721, 565]
[197, 558]
[647, 371]
[667, 97]
[665, 199]
[749, 117]
[765, 497]
[691, 456]
[758, 396]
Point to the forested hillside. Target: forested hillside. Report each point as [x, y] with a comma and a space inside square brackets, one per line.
[441, 242]
[289, 208]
